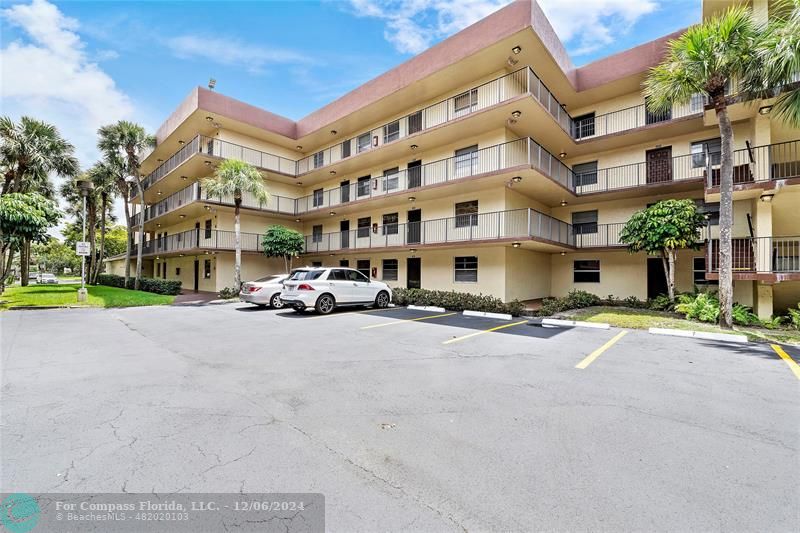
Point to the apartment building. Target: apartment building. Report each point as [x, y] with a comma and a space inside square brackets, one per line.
[486, 164]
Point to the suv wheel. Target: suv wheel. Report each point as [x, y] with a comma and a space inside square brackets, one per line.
[325, 304]
[275, 302]
[382, 300]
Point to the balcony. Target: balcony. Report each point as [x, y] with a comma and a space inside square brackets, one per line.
[521, 224]
[193, 193]
[198, 240]
[759, 258]
[753, 165]
[632, 118]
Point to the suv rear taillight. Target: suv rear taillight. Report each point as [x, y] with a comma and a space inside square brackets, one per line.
[305, 287]
[254, 289]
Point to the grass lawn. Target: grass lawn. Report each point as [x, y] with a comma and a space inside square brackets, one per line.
[99, 296]
[645, 318]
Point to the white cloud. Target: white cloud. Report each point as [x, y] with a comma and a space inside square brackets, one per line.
[583, 25]
[50, 76]
[228, 51]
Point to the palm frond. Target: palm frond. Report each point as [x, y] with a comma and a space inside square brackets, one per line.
[235, 178]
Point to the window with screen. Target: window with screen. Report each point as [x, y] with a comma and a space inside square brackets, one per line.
[466, 269]
[586, 271]
[362, 265]
[363, 142]
[363, 227]
[389, 269]
[584, 222]
[584, 125]
[391, 178]
[585, 173]
[467, 214]
[391, 131]
[319, 159]
[316, 233]
[317, 197]
[466, 160]
[363, 186]
[207, 232]
[699, 148]
[466, 101]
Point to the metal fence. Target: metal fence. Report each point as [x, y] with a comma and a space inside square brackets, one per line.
[759, 254]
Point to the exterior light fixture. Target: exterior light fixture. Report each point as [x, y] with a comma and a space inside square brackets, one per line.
[516, 179]
[160, 160]
[181, 142]
[412, 198]
[330, 255]
[210, 119]
[333, 213]
[563, 253]
[334, 132]
[299, 147]
[562, 155]
[297, 220]
[158, 225]
[563, 203]
[159, 193]
[767, 197]
[183, 216]
[516, 49]
[516, 244]
[208, 208]
[181, 255]
[414, 146]
[413, 251]
[511, 61]
[208, 163]
[764, 110]
[333, 172]
[516, 113]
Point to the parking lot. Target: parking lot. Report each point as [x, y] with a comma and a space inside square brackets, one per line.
[405, 420]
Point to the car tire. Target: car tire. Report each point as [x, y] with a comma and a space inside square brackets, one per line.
[382, 300]
[325, 304]
[275, 302]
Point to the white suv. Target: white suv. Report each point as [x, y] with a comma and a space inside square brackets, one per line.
[327, 288]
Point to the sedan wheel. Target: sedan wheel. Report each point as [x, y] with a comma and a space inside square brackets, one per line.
[325, 304]
[275, 301]
[382, 300]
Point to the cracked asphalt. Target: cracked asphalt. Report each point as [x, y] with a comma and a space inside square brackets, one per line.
[400, 432]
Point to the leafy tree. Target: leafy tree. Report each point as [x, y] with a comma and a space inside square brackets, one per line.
[24, 217]
[54, 256]
[126, 141]
[31, 150]
[662, 229]
[116, 241]
[280, 241]
[705, 59]
[777, 62]
[235, 178]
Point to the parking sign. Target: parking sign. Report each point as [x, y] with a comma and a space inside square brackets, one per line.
[82, 248]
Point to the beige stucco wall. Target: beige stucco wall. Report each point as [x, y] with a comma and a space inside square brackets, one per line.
[785, 295]
[527, 274]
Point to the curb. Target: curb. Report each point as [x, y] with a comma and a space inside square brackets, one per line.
[484, 314]
[426, 308]
[724, 337]
[574, 323]
[223, 302]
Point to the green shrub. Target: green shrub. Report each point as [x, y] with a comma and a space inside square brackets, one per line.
[794, 317]
[773, 323]
[703, 307]
[456, 301]
[573, 300]
[633, 301]
[661, 303]
[228, 292]
[744, 316]
[155, 285]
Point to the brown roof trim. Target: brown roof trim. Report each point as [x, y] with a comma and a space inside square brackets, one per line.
[513, 18]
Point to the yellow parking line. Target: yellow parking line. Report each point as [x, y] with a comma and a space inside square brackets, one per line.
[788, 358]
[352, 312]
[504, 326]
[402, 321]
[595, 354]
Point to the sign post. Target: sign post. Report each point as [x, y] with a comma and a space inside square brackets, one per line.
[82, 247]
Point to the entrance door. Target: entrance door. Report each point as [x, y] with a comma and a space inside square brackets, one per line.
[414, 227]
[659, 165]
[344, 191]
[656, 279]
[164, 270]
[196, 274]
[344, 232]
[414, 174]
[196, 243]
[414, 273]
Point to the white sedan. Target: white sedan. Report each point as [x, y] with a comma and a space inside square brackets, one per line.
[264, 292]
[324, 289]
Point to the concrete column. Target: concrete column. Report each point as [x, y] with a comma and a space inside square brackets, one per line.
[762, 300]
[762, 227]
[762, 131]
[760, 11]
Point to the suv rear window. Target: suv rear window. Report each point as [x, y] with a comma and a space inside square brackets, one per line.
[301, 275]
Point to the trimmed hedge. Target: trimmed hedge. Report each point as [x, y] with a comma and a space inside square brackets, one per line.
[158, 286]
[456, 301]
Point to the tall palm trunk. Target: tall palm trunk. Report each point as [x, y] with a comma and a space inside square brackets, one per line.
[24, 262]
[99, 263]
[725, 216]
[129, 238]
[237, 267]
[91, 226]
[140, 248]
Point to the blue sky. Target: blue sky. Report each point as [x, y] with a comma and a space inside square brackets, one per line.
[82, 64]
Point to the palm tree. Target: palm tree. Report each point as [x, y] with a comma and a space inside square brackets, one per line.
[71, 192]
[103, 177]
[116, 165]
[30, 151]
[705, 60]
[777, 63]
[234, 178]
[129, 141]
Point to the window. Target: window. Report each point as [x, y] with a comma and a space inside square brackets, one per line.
[363, 186]
[699, 270]
[346, 148]
[207, 269]
[584, 222]
[319, 159]
[317, 198]
[363, 142]
[389, 270]
[363, 227]
[316, 263]
[158, 270]
[391, 178]
[177, 271]
[344, 262]
[585, 173]
[466, 160]
[391, 131]
[362, 265]
[316, 233]
[466, 269]
[698, 149]
[466, 101]
[584, 125]
[711, 210]
[586, 271]
[390, 221]
[467, 214]
[415, 122]
[207, 232]
[306, 275]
